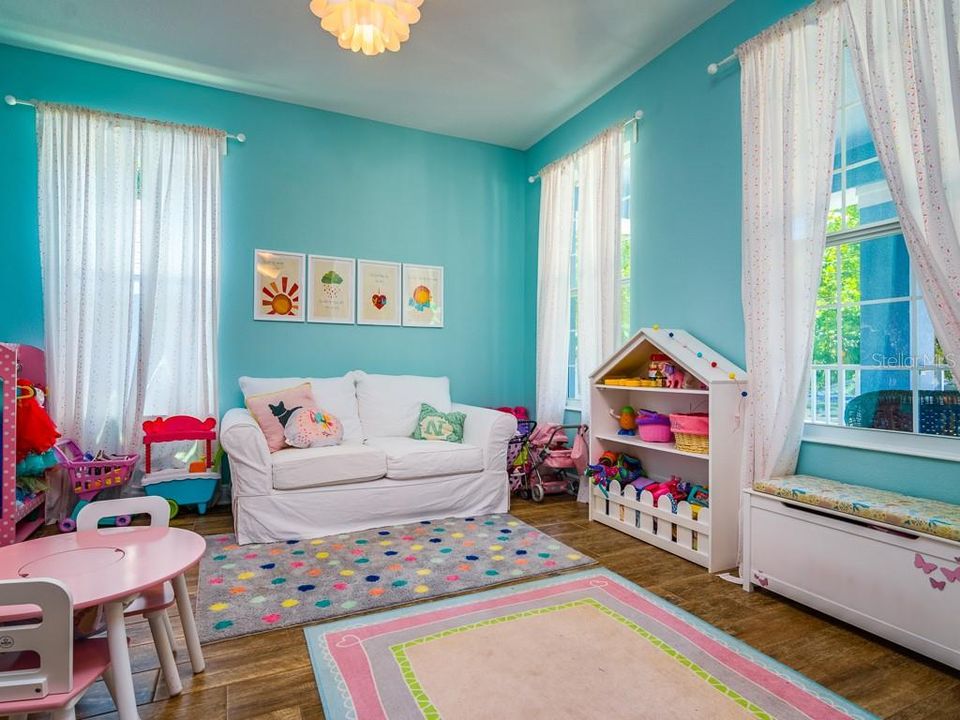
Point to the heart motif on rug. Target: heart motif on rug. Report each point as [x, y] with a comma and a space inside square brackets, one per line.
[379, 300]
[348, 641]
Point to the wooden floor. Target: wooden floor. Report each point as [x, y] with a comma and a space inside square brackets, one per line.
[268, 676]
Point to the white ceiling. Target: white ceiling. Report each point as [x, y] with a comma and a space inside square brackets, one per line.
[500, 71]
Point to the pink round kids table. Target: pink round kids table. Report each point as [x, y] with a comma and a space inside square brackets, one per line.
[106, 567]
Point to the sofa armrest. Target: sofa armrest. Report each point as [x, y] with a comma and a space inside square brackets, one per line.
[489, 430]
[251, 467]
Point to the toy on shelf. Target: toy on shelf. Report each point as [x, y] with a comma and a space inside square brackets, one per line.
[676, 377]
[90, 475]
[654, 427]
[627, 417]
[196, 484]
[625, 469]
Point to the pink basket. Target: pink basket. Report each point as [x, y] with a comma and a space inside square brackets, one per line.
[654, 427]
[690, 423]
[655, 433]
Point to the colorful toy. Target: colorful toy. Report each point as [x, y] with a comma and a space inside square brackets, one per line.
[182, 486]
[676, 377]
[657, 369]
[628, 420]
[621, 467]
[89, 476]
[699, 495]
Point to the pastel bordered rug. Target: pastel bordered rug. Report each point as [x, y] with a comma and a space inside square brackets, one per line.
[583, 645]
[246, 589]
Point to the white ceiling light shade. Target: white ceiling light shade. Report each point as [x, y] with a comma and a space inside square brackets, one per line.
[371, 26]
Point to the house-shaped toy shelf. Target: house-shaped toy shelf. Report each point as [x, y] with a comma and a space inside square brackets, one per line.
[714, 385]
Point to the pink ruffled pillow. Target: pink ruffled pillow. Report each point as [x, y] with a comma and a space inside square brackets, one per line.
[272, 409]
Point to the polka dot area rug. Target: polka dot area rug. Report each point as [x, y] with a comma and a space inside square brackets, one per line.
[246, 589]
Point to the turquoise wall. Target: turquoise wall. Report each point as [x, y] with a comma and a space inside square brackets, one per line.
[314, 182]
[685, 205]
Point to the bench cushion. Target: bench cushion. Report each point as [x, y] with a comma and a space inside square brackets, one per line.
[932, 517]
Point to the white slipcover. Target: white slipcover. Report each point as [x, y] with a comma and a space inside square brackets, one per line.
[408, 458]
[315, 497]
[390, 404]
[298, 469]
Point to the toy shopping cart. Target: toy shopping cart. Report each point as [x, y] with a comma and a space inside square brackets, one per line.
[90, 476]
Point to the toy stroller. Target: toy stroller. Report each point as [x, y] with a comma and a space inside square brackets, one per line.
[552, 466]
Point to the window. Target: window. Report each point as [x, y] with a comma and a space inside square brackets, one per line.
[573, 392]
[876, 362]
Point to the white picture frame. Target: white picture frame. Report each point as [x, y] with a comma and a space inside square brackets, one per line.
[331, 289]
[422, 295]
[278, 286]
[378, 292]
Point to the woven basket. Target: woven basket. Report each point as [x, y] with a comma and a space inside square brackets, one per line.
[691, 431]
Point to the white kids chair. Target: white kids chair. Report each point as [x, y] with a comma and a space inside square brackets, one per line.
[66, 668]
[154, 603]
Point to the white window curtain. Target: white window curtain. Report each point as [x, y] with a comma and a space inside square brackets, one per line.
[598, 256]
[789, 93]
[594, 171]
[553, 288]
[129, 215]
[906, 58]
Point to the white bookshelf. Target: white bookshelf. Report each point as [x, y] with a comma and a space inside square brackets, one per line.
[711, 539]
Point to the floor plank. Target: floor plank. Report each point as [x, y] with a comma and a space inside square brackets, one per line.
[268, 676]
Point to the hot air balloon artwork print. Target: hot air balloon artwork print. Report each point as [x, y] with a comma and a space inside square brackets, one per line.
[422, 296]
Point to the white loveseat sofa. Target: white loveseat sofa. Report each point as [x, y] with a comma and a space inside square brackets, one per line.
[378, 475]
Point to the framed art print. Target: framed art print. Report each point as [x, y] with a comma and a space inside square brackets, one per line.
[332, 288]
[378, 292]
[422, 296]
[278, 286]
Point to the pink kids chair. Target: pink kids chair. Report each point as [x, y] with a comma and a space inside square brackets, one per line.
[154, 603]
[65, 669]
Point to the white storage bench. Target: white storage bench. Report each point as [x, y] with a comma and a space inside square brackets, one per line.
[885, 562]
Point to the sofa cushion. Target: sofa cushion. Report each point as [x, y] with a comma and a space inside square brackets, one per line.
[337, 395]
[408, 458]
[298, 469]
[389, 405]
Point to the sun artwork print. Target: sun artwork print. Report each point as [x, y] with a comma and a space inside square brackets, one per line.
[281, 297]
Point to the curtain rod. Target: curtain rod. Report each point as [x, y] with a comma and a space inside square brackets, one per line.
[714, 68]
[13, 101]
[637, 117]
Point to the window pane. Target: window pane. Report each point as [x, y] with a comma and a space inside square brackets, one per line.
[868, 197]
[850, 273]
[885, 402]
[852, 332]
[859, 141]
[885, 268]
[825, 338]
[828, 278]
[885, 334]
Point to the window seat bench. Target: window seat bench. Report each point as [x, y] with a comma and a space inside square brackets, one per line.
[885, 562]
